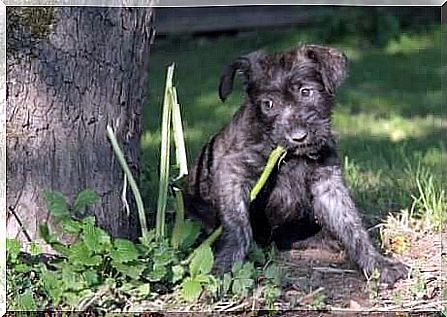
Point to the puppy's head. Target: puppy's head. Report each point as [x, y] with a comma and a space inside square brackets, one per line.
[290, 93]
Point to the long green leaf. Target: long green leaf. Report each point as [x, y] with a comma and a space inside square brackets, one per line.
[164, 156]
[133, 184]
[179, 217]
[182, 164]
[179, 140]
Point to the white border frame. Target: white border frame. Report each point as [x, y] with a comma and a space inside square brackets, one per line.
[131, 3]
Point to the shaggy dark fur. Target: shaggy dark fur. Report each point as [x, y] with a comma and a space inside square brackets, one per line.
[289, 101]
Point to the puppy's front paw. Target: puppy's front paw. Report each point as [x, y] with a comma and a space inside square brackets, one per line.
[391, 270]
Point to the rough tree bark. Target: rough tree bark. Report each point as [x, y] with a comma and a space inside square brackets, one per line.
[87, 70]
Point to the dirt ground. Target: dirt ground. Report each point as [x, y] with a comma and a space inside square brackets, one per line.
[324, 279]
[321, 282]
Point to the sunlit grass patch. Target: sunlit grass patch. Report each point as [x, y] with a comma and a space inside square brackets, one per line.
[407, 44]
[394, 127]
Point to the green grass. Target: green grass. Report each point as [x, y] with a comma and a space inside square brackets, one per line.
[389, 117]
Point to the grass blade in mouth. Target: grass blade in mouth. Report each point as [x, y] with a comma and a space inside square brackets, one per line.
[271, 162]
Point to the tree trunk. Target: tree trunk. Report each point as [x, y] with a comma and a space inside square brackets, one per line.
[62, 91]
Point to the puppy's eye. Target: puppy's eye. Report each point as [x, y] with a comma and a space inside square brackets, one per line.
[305, 92]
[267, 104]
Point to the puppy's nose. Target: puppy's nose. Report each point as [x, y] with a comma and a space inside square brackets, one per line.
[299, 135]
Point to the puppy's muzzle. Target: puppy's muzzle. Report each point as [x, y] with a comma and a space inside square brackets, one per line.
[298, 136]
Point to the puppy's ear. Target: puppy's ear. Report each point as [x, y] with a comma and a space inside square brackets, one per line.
[247, 65]
[332, 64]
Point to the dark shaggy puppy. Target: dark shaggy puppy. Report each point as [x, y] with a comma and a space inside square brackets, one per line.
[289, 101]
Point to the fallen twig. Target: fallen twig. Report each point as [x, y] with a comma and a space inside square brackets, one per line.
[306, 298]
[332, 270]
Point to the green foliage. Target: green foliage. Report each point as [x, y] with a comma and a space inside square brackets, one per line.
[430, 203]
[191, 289]
[319, 302]
[94, 261]
[242, 278]
[20, 279]
[202, 262]
[84, 199]
[57, 205]
[374, 25]
[165, 154]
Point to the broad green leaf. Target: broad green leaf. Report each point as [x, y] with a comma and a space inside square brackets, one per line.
[12, 249]
[89, 219]
[79, 252]
[124, 251]
[191, 289]
[256, 255]
[242, 278]
[22, 268]
[91, 277]
[132, 270]
[237, 266]
[203, 278]
[61, 249]
[35, 249]
[56, 204]
[144, 289]
[136, 289]
[127, 288]
[90, 236]
[189, 231]
[177, 273]
[71, 226]
[84, 199]
[26, 301]
[246, 271]
[157, 273]
[202, 261]
[72, 298]
[273, 273]
[72, 280]
[95, 260]
[163, 257]
[52, 285]
[95, 238]
[241, 286]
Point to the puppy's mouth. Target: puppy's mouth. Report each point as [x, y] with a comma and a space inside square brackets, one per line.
[305, 149]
